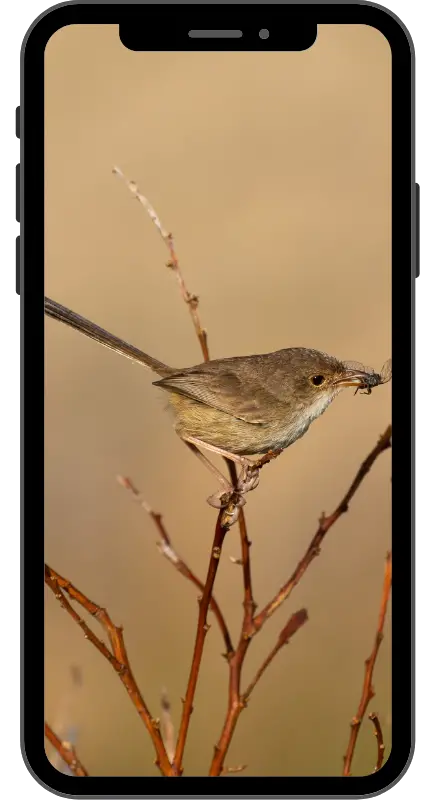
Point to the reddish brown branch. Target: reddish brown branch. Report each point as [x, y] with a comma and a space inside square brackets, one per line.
[379, 739]
[117, 658]
[190, 299]
[166, 549]
[248, 601]
[368, 691]
[324, 526]
[249, 604]
[67, 753]
[296, 621]
[236, 702]
[251, 624]
[202, 629]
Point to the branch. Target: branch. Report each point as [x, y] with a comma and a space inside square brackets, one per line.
[325, 524]
[232, 770]
[223, 522]
[191, 300]
[64, 725]
[379, 739]
[368, 691]
[202, 629]
[296, 621]
[249, 603]
[117, 657]
[67, 753]
[166, 549]
[248, 600]
[236, 702]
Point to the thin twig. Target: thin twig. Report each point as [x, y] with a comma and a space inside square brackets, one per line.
[325, 524]
[249, 604]
[379, 739]
[166, 549]
[67, 753]
[236, 702]
[248, 601]
[192, 302]
[190, 299]
[117, 658]
[223, 518]
[232, 770]
[296, 621]
[202, 628]
[66, 730]
[368, 690]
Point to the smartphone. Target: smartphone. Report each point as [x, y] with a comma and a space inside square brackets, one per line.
[216, 269]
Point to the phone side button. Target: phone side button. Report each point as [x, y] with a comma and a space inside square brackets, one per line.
[417, 230]
[18, 265]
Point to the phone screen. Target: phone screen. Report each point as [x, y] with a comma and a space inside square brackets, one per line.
[239, 202]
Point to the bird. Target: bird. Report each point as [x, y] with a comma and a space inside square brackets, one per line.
[241, 406]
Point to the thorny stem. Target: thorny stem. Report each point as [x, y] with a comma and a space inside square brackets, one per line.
[118, 657]
[368, 690]
[67, 753]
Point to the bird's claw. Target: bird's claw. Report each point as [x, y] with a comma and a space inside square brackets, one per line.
[223, 498]
[249, 478]
[231, 500]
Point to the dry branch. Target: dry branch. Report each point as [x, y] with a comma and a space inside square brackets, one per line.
[236, 701]
[67, 753]
[379, 740]
[326, 523]
[166, 549]
[117, 657]
[368, 691]
[296, 621]
[202, 629]
[190, 299]
[169, 763]
[233, 770]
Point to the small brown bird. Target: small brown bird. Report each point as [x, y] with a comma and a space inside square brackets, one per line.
[245, 405]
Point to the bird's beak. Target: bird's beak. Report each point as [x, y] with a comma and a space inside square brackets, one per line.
[353, 377]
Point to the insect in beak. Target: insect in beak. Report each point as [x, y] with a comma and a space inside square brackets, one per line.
[355, 378]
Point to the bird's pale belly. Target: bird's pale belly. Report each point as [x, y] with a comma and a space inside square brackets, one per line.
[235, 435]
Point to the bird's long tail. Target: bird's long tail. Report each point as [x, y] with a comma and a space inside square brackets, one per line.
[88, 328]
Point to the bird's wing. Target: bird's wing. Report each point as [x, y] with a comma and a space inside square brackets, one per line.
[224, 391]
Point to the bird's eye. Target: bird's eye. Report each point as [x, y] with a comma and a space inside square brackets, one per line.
[317, 380]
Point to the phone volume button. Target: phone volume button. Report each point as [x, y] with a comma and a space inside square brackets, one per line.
[18, 265]
[17, 191]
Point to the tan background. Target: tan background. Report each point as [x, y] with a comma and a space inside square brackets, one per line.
[273, 172]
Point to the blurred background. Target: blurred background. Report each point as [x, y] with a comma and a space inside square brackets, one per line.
[273, 173]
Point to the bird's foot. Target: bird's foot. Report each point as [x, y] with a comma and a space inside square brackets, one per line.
[249, 478]
[225, 497]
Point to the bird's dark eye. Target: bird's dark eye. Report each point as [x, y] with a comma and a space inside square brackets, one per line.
[317, 380]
